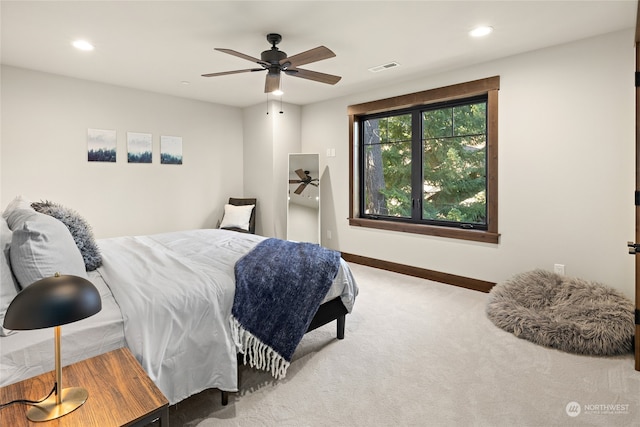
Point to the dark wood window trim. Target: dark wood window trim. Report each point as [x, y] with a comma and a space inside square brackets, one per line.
[488, 86]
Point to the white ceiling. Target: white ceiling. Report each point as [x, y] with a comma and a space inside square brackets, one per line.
[156, 45]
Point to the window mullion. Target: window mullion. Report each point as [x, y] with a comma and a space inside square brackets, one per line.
[360, 167]
[416, 165]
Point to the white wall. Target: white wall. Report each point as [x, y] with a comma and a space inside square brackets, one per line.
[268, 140]
[287, 140]
[566, 168]
[258, 158]
[45, 119]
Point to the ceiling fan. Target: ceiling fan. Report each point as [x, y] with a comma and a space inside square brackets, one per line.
[305, 179]
[276, 61]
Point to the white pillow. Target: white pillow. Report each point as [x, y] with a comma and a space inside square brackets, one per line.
[16, 204]
[237, 216]
[42, 246]
[8, 286]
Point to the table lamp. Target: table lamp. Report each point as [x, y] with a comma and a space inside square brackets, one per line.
[52, 302]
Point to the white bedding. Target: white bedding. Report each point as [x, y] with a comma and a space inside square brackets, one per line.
[174, 292]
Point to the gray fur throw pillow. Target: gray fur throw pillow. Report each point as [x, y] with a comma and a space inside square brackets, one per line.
[79, 228]
[569, 314]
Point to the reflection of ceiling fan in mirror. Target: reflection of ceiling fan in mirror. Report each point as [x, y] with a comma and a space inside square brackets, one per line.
[305, 179]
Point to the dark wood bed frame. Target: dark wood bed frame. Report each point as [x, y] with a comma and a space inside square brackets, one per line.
[327, 312]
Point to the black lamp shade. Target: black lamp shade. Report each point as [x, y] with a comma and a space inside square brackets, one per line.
[53, 301]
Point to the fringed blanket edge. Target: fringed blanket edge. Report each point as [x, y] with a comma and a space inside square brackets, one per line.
[256, 353]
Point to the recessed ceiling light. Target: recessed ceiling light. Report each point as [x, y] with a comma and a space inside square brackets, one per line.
[82, 45]
[481, 31]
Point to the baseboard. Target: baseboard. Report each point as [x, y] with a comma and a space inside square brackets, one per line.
[423, 273]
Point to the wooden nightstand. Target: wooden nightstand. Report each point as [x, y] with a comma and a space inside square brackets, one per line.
[120, 394]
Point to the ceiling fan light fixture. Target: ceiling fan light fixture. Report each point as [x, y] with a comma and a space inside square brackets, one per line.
[82, 45]
[277, 92]
[481, 31]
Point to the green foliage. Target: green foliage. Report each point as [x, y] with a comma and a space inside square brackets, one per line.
[389, 166]
[453, 164]
[454, 160]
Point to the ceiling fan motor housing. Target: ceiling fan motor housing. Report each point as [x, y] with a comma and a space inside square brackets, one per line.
[273, 56]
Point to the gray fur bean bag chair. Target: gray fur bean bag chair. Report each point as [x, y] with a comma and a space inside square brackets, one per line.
[568, 314]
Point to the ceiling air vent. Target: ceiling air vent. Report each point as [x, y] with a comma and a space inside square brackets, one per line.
[384, 67]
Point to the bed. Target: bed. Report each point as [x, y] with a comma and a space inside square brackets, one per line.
[168, 297]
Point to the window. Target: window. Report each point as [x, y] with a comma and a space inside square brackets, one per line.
[427, 162]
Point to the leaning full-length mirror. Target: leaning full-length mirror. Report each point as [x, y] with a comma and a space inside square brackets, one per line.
[303, 206]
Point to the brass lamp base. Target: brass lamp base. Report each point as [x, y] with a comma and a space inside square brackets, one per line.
[71, 399]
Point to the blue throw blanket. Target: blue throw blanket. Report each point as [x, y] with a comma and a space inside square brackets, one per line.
[279, 287]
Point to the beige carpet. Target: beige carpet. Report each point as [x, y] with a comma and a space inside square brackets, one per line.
[419, 353]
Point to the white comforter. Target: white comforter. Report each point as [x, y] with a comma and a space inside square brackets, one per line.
[175, 291]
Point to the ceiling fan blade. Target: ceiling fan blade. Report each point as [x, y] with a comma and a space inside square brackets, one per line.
[313, 75]
[272, 83]
[301, 174]
[232, 72]
[294, 181]
[240, 55]
[317, 54]
[300, 188]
